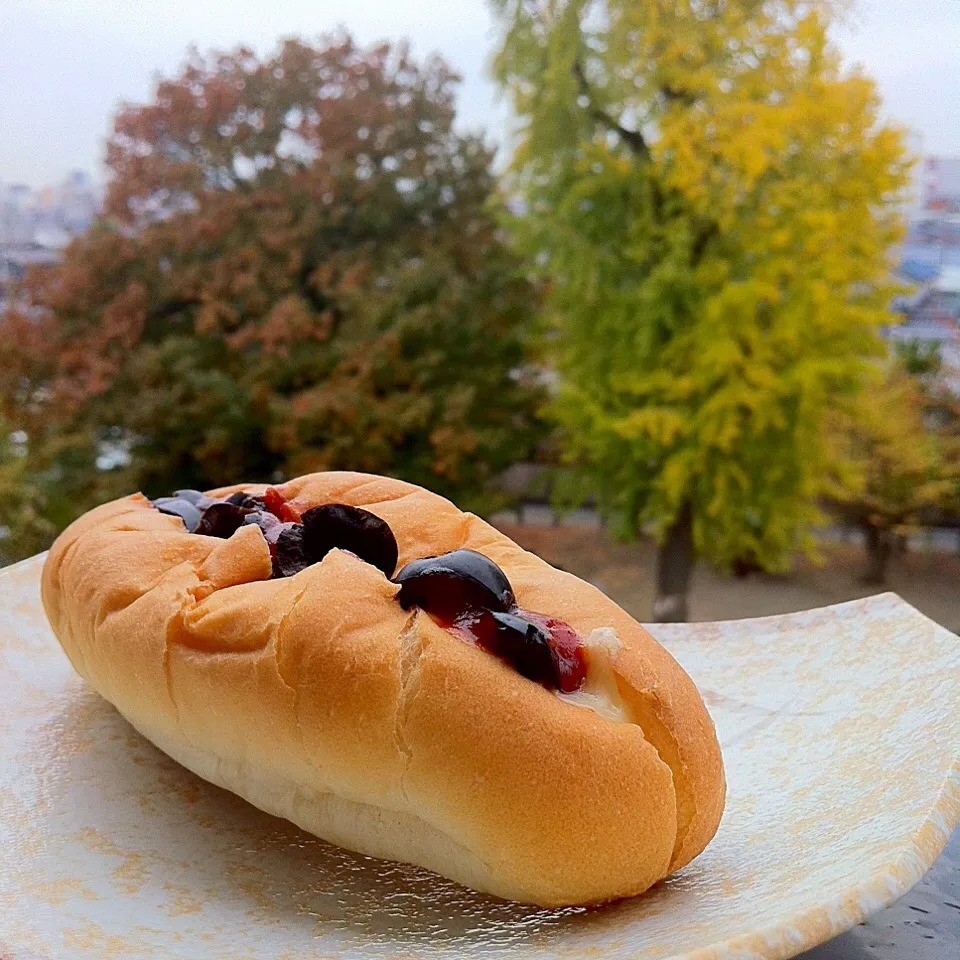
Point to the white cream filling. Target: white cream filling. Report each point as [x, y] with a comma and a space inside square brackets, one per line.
[599, 692]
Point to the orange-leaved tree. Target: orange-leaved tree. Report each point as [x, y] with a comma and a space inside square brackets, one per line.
[297, 269]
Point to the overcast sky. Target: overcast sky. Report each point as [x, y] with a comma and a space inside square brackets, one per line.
[66, 64]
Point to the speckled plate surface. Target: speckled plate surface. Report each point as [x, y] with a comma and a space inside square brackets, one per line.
[840, 729]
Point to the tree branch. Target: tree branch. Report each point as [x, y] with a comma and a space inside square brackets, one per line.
[673, 95]
[171, 308]
[320, 301]
[707, 232]
[632, 138]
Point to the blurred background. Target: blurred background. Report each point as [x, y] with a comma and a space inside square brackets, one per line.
[670, 291]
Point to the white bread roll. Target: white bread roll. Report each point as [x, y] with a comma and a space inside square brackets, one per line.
[318, 698]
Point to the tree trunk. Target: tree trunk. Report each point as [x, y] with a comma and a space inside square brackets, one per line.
[878, 543]
[744, 565]
[674, 566]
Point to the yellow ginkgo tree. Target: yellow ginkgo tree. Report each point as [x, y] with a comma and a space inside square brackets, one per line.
[899, 452]
[710, 197]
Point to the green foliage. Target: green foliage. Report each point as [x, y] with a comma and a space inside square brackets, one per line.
[21, 502]
[299, 272]
[39, 484]
[707, 194]
[901, 463]
[919, 359]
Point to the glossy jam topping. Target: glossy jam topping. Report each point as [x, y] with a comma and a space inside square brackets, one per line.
[462, 590]
[293, 545]
[351, 528]
[566, 648]
[453, 584]
[275, 503]
[222, 519]
[186, 510]
[467, 592]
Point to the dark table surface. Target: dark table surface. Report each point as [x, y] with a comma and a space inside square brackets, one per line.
[923, 925]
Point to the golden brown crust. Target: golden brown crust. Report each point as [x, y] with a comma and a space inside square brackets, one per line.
[319, 698]
[663, 698]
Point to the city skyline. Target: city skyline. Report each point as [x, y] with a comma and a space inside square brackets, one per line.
[70, 66]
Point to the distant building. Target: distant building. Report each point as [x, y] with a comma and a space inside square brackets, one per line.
[932, 242]
[50, 216]
[35, 225]
[929, 263]
[16, 260]
[16, 221]
[77, 203]
[932, 316]
[941, 185]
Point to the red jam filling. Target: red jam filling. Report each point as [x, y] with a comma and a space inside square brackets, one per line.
[280, 507]
[553, 656]
[551, 653]
[567, 648]
[468, 593]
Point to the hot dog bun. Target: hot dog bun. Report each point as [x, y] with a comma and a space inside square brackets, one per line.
[318, 698]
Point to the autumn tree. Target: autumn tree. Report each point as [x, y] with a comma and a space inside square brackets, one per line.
[899, 457]
[706, 191]
[44, 468]
[297, 270]
[20, 499]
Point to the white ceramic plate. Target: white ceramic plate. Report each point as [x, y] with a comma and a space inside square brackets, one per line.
[840, 729]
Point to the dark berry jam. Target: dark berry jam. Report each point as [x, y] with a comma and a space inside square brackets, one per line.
[293, 545]
[463, 590]
[455, 583]
[468, 593]
[222, 519]
[336, 525]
